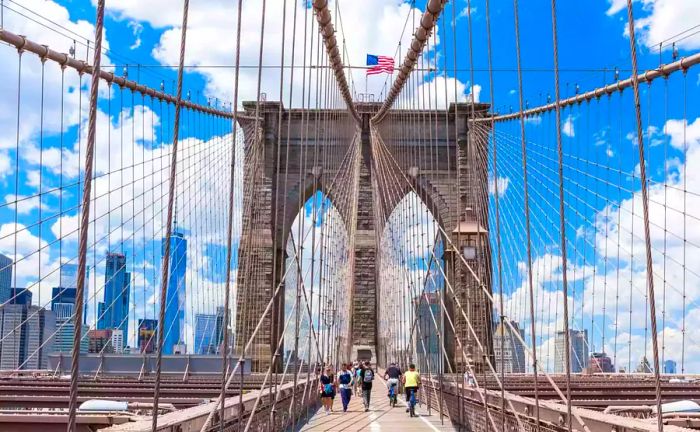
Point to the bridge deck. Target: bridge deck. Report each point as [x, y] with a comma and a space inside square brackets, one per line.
[380, 417]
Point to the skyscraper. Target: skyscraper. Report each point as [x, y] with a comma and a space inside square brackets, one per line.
[69, 279]
[428, 348]
[174, 325]
[113, 312]
[669, 367]
[579, 351]
[26, 332]
[5, 278]
[513, 356]
[69, 275]
[62, 305]
[147, 335]
[205, 334]
[220, 330]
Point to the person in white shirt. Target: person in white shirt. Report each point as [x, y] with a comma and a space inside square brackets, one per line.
[345, 384]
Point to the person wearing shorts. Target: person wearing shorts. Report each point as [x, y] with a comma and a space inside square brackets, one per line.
[327, 386]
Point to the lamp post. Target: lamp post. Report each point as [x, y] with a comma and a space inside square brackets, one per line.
[471, 239]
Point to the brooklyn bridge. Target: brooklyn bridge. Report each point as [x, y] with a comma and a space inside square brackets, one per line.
[193, 246]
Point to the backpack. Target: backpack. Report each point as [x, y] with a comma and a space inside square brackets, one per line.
[345, 377]
[369, 376]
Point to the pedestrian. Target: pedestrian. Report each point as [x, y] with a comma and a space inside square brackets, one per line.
[358, 375]
[345, 383]
[367, 377]
[327, 390]
[469, 379]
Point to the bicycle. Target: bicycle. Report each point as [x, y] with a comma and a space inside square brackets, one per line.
[393, 384]
[412, 402]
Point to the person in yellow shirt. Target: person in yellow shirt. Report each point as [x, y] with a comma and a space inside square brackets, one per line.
[411, 384]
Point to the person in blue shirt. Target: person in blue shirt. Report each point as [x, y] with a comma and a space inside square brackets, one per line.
[345, 384]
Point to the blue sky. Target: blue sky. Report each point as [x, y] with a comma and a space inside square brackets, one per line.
[592, 43]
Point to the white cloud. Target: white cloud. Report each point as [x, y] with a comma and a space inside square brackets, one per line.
[211, 41]
[137, 29]
[533, 120]
[683, 134]
[503, 183]
[568, 127]
[424, 94]
[616, 6]
[467, 11]
[32, 261]
[673, 210]
[31, 89]
[24, 204]
[662, 21]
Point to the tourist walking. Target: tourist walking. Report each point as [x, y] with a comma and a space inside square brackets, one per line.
[367, 377]
[345, 383]
[327, 390]
[357, 371]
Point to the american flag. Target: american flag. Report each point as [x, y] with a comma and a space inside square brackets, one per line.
[379, 64]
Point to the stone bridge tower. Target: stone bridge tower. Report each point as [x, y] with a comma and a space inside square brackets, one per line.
[276, 204]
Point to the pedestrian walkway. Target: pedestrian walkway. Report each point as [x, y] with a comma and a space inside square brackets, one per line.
[380, 417]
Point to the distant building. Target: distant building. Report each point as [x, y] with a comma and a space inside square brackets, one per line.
[600, 363]
[118, 341]
[5, 278]
[62, 305]
[69, 280]
[180, 348]
[113, 312]
[174, 325]
[578, 353]
[69, 275]
[100, 341]
[205, 334]
[669, 367]
[220, 330]
[644, 366]
[513, 356]
[63, 341]
[148, 338]
[20, 296]
[429, 347]
[26, 332]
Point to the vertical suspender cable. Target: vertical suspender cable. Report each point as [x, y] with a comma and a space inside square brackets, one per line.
[526, 207]
[169, 222]
[498, 218]
[85, 219]
[562, 219]
[645, 209]
[229, 235]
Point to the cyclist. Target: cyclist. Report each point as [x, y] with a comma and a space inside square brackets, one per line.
[411, 384]
[392, 376]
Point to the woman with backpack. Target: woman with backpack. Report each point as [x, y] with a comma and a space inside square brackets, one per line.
[345, 383]
[327, 390]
